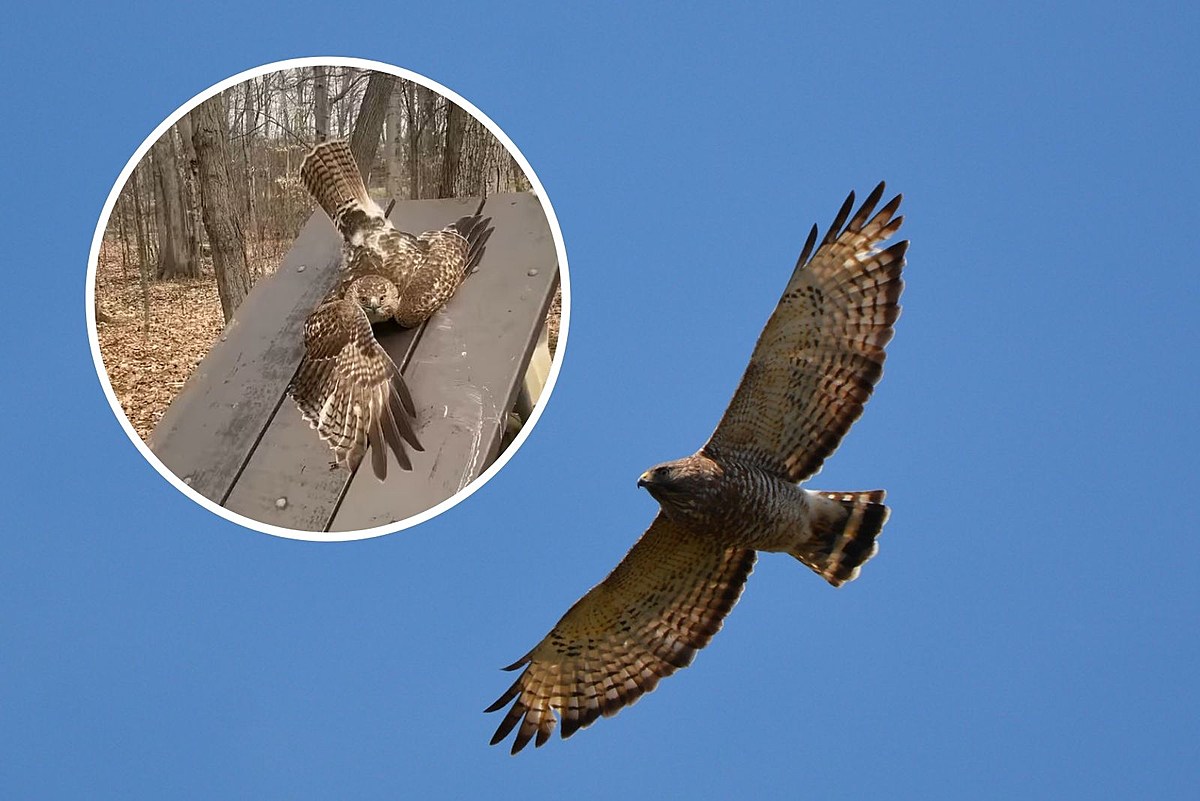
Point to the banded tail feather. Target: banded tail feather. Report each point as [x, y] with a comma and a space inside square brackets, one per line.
[843, 542]
[332, 177]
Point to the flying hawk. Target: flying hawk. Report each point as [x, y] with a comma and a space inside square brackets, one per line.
[347, 387]
[815, 365]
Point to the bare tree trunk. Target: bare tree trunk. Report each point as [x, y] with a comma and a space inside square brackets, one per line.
[321, 102]
[431, 143]
[210, 136]
[249, 109]
[143, 249]
[191, 188]
[420, 112]
[413, 131]
[452, 150]
[249, 125]
[369, 124]
[391, 134]
[156, 235]
[121, 212]
[174, 255]
[350, 79]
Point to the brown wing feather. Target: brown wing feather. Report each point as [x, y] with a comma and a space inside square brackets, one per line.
[349, 390]
[662, 603]
[821, 353]
[446, 256]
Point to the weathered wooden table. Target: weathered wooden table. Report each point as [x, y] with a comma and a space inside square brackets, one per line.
[236, 437]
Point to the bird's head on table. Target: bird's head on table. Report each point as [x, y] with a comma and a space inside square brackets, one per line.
[377, 296]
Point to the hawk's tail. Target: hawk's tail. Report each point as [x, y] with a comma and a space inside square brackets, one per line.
[331, 176]
[476, 229]
[844, 528]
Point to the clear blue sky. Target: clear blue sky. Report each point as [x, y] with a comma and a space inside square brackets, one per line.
[1029, 628]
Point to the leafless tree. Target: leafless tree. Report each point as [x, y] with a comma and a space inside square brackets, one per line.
[191, 188]
[210, 136]
[143, 249]
[321, 103]
[175, 258]
[369, 124]
[452, 149]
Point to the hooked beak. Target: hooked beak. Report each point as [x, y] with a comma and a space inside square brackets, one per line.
[645, 480]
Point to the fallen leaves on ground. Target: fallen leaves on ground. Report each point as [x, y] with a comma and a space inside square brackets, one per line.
[148, 368]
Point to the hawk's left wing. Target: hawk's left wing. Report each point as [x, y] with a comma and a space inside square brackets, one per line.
[822, 351]
[458, 247]
[446, 258]
[662, 603]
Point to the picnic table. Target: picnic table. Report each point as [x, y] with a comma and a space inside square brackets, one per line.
[235, 436]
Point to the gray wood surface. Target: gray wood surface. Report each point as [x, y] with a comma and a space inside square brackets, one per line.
[208, 433]
[467, 368]
[236, 436]
[291, 463]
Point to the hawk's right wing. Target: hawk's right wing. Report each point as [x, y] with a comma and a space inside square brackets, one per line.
[662, 603]
[350, 391]
[820, 354]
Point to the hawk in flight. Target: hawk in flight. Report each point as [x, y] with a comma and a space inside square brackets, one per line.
[814, 367]
[347, 387]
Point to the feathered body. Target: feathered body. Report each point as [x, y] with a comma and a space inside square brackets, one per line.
[347, 387]
[424, 269]
[746, 506]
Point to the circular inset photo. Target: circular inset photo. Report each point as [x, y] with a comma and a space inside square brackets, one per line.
[328, 298]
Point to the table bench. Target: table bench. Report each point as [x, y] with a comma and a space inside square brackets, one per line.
[235, 436]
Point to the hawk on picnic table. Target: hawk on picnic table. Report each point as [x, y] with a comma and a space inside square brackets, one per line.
[814, 367]
[347, 387]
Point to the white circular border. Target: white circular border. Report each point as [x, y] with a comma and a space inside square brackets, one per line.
[461, 495]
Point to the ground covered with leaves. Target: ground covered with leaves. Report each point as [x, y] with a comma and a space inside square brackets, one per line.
[148, 360]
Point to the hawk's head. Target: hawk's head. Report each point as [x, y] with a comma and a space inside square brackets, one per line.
[683, 484]
[377, 295]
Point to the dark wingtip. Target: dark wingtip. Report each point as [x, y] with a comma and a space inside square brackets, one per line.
[519, 663]
[808, 246]
[839, 220]
[496, 706]
[379, 463]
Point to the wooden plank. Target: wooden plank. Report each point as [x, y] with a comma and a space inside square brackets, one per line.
[208, 433]
[288, 482]
[467, 369]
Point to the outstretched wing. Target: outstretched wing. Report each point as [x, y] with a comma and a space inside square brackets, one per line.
[447, 256]
[822, 351]
[458, 247]
[349, 390]
[662, 603]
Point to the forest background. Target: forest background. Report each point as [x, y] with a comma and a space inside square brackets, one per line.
[217, 202]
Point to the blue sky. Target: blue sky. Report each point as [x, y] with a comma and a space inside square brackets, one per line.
[1029, 627]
